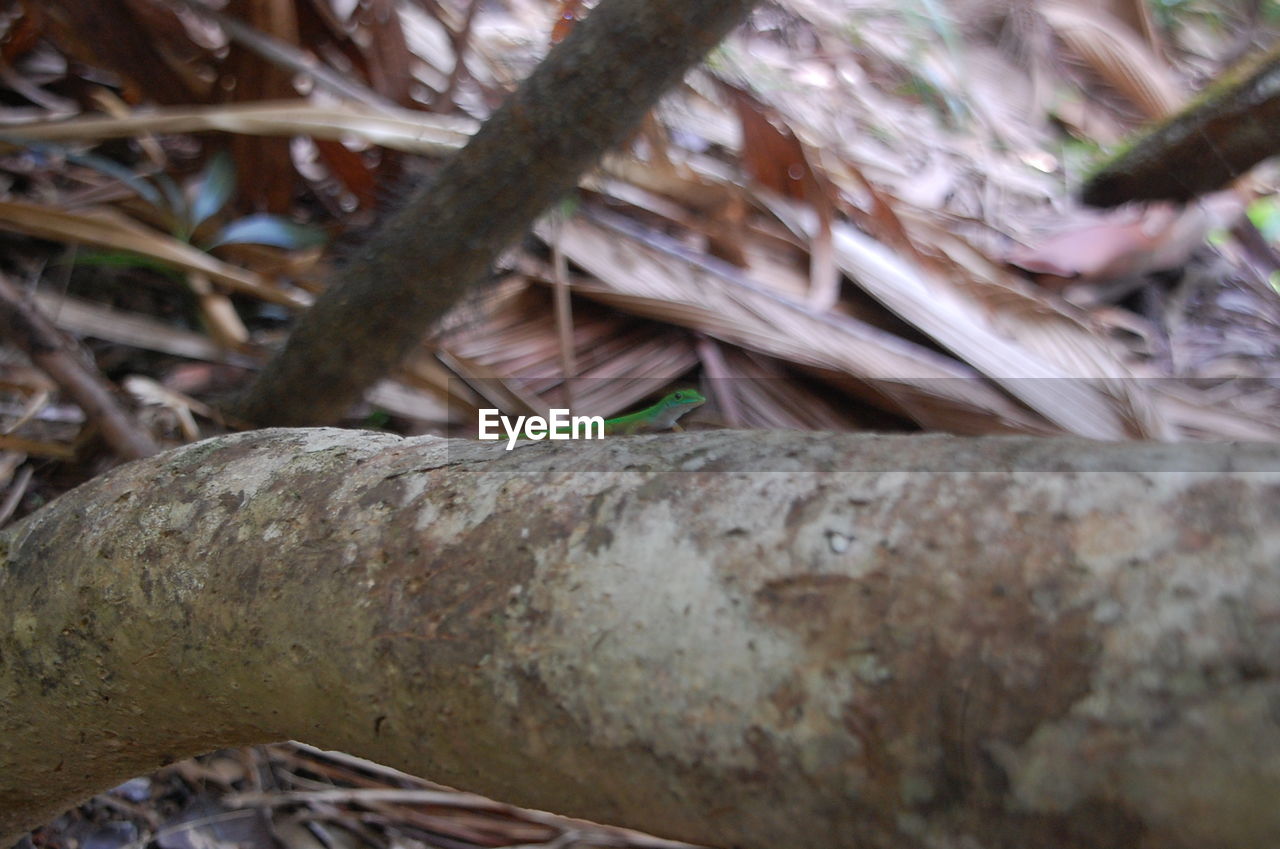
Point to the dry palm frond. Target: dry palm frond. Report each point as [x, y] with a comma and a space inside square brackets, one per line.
[1118, 56]
[106, 228]
[85, 318]
[620, 360]
[960, 324]
[400, 129]
[644, 274]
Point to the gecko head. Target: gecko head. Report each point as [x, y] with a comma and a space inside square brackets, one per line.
[684, 399]
[675, 405]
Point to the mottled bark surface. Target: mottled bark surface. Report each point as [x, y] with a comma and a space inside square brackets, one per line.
[872, 657]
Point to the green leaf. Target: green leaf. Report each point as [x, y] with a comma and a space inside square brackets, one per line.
[1265, 215]
[569, 205]
[124, 259]
[101, 164]
[216, 185]
[264, 229]
[176, 205]
[124, 174]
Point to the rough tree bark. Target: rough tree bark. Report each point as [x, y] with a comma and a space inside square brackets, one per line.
[928, 648]
[585, 96]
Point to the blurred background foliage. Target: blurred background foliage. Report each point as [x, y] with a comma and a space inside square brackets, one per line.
[857, 215]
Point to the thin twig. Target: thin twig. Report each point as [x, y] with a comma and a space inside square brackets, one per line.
[55, 355]
[289, 57]
[37, 448]
[564, 318]
[461, 41]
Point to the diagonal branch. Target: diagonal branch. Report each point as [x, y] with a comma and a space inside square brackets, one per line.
[582, 99]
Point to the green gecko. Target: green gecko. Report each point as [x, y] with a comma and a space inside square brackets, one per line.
[661, 416]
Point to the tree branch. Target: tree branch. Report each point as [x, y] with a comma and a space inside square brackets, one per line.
[581, 100]
[1220, 135]
[964, 654]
